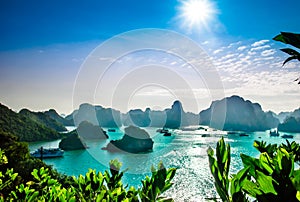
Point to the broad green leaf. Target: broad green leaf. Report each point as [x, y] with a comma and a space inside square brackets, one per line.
[251, 162]
[72, 199]
[289, 38]
[238, 180]
[265, 183]
[290, 51]
[298, 195]
[33, 196]
[171, 173]
[251, 188]
[289, 59]
[35, 174]
[266, 162]
[296, 180]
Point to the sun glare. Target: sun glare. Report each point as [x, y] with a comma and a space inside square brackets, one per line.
[197, 13]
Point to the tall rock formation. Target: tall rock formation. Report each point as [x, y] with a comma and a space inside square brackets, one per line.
[174, 115]
[235, 113]
[135, 140]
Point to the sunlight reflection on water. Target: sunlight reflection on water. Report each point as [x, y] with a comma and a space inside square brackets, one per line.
[184, 150]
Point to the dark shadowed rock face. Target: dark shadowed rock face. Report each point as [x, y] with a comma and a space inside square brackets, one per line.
[72, 142]
[174, 115]
[138, 118]
[236, 114]
[158, 118]
[290, 124]
[54, 115]
[296, 113]
[135, 140]
[87, 130]
[282, 116]
[97, 115]
[111, 118]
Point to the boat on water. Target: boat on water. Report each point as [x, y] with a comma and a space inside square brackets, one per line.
[162, 130]
[232, 133]
[235, 133]
[111, 130]
[287, 136]
[47, 153]
[243, 135]
[167, 134]
[274, 133]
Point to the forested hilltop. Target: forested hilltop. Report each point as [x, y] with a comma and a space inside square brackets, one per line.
[24, 127]
[43, 118]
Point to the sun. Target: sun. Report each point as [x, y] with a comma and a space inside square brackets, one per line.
[197, 13]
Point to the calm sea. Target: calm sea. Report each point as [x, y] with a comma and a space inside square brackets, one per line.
[185, 150]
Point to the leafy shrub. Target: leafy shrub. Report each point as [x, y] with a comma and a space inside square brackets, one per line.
[220, 168]
[291, 39]
[159, 182]
[270, 177]
[93, 186]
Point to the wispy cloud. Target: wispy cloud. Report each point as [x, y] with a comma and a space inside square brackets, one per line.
[257, 48]
[268, 52]
[242, 48]
[260, 43]
[254, 71]
[218, 50]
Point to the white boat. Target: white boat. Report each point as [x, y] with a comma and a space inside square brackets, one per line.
[47, 153]
[274, 133]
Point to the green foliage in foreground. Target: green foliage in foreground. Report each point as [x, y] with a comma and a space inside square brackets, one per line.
[291, 39]
[94, 186]
[270, 177]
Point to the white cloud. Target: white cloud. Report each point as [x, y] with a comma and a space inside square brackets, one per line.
[251, 53]
[260, 48]
[242, 48]
[263, 58]
[218, 50]
[259, 43]
[234, 44]
[268, 52]
[291, 65]
[255, 71]
[228, 56]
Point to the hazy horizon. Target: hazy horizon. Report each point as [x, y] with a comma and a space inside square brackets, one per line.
[153, 108]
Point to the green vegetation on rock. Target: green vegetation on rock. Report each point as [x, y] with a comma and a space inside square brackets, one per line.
[24, 127]
[54, 115]
[72, 142]
[43, 119]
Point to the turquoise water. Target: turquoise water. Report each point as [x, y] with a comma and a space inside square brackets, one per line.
[185, 150]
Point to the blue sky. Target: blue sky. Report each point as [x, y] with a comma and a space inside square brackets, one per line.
[43, 44]
[37, 23]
